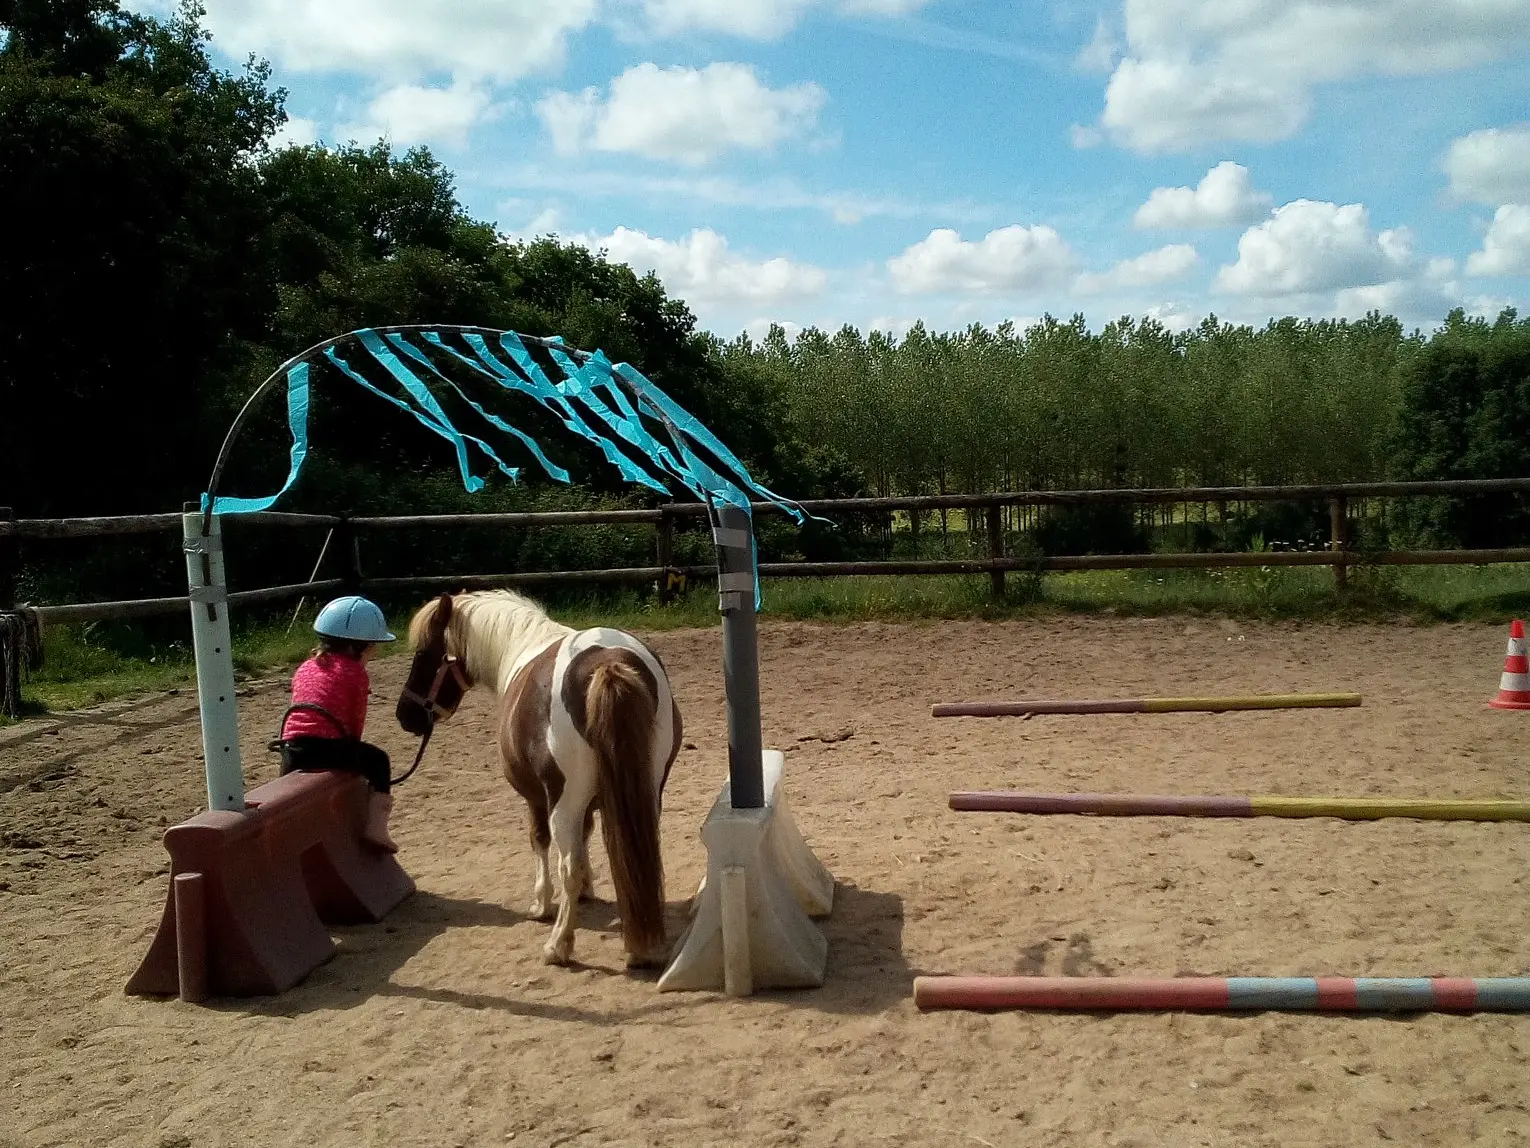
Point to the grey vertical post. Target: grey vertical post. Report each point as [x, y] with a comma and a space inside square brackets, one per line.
[734, 535]
[215, 661]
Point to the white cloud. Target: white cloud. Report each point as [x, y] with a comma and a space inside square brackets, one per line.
[1084, 137]
[1312, 246]
[1491, 166]
[774, 193]
[547, 221]
[296, 132]
[894, 326]
[701, 269]
[1175, 317]
[1225, 197]
[409, 114]
[758, 329]
[1014, 258]
[1099, 55]
[1195, 73]
[1506, 246]
[402, 40]
[758, 19]
[1160, 266]
[686, 114]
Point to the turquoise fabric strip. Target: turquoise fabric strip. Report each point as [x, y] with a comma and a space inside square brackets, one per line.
[297, 424]
[427, 401]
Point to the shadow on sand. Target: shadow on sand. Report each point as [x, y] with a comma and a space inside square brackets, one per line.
[866, 974]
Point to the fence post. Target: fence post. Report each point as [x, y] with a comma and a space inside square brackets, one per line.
[1338, 529]
[996, 547]
[350, 554]
[12, 634]
[10, 562]
[666, 553]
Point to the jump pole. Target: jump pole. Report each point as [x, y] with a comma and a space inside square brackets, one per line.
[1175, 805]
[1146, 705]
[1227, 994]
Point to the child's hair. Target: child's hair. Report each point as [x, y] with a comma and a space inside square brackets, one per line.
[345, 647]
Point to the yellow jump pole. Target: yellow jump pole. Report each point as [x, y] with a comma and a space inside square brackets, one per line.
[1372, 808]
[1145, 705]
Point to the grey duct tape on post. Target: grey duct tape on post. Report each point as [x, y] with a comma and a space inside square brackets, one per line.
[732, 590]
[730, 538]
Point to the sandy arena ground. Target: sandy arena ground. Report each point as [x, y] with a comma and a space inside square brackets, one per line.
[442, 1027]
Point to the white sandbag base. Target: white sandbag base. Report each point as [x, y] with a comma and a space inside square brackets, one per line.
[753, 921]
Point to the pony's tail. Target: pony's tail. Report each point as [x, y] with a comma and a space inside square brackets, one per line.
[620, 713]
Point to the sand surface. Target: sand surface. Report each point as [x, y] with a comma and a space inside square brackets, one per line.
[442, 1027]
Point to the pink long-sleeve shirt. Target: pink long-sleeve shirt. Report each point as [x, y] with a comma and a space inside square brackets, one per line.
[337, 683]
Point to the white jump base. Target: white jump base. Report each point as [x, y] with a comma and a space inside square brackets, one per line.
[752, 926]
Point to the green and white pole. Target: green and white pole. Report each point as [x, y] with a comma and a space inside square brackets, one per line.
[208, 591]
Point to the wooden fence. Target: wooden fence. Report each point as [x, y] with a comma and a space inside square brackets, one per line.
[347, 532]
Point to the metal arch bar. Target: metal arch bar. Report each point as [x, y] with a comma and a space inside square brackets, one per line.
[270, 381]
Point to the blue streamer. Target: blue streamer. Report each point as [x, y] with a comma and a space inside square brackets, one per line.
[553, 469]
[297, 423]
[511, 342]
[582, 386]
[424, 419]
[693, 427]
[421, 394]
[582, 383]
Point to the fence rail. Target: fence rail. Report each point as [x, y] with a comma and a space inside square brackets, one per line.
[166, 523]
[996, 564]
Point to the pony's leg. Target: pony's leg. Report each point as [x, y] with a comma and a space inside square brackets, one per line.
[587, 885]
[568, 837]
[542, 907]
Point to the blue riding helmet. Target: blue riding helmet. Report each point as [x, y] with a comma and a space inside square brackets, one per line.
[354, 618]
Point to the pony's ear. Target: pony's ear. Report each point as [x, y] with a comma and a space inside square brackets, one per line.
[443, 610]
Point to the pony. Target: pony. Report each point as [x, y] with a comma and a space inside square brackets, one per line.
[586, 720]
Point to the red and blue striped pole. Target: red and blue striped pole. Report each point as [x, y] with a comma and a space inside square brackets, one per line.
[1228, 994]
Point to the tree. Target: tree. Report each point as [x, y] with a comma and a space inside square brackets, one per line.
[133, 269]
[1466, 414]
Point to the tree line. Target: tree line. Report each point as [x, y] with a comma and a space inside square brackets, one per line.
[164, 255]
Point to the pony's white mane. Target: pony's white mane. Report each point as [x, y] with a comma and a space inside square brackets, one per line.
[491, 630]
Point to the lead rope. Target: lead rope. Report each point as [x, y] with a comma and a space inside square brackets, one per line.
[418, 757]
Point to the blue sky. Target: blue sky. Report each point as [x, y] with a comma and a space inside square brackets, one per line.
[876, 161]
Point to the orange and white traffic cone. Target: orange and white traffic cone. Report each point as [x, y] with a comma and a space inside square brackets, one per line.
[1514, 686]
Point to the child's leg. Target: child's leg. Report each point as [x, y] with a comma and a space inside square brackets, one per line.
[373, 764]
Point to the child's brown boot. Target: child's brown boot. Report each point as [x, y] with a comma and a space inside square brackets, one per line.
[379, 806]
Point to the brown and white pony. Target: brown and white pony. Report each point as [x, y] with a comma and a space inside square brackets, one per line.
[586, 721]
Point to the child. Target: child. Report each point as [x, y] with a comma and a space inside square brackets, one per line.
[335, 682]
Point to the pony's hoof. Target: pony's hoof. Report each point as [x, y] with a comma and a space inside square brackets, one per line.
[542, 910]
[651, 961]
[556, 953]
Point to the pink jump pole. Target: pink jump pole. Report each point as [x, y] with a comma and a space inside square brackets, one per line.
[1228, 994]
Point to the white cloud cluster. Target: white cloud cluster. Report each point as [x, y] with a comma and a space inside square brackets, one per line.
[691, 115]
[1225, 197]
[410, 114]
[1194, 73]
[758, 19]
[298, 131]
[702, 270]
[403, 40]
[1161, 266]
[1491, 166]
[1015, 258]
[1506, 246]
[1309, 246]
[1024, 260]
